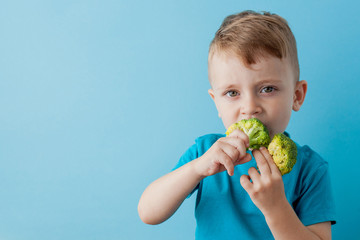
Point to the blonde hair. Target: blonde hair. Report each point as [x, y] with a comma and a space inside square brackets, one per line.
[251, 35]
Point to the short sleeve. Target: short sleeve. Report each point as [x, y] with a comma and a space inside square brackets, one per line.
[201, 145]
[316, 202]
[187, 157]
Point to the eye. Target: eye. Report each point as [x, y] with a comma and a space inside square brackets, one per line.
[232, 93]
[267, 89]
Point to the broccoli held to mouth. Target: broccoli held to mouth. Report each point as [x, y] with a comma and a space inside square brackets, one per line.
[254, 129]
[282, 149]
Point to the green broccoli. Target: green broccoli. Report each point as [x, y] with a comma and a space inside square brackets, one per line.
[255, 130]
[284, 152]
[282, 149]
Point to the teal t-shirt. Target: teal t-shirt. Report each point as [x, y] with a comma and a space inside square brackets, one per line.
[224, 209]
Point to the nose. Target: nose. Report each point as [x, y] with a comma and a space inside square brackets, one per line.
[250, 107]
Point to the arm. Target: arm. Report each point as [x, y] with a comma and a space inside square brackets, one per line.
[267, 193]
[164, 196]
[285, 224]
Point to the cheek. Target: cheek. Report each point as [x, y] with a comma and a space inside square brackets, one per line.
[280, 116]
[227, 113]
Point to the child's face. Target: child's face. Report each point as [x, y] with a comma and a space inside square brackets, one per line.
[265, 90]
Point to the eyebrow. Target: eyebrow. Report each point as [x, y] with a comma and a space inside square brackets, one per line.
[269, 80]
[226, 87]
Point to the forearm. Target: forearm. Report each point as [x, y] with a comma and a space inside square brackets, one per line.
[164, 196]
[285, 224]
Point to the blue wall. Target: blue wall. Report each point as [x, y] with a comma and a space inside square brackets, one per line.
[98, 98]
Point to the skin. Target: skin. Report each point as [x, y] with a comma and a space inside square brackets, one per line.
[266, 90]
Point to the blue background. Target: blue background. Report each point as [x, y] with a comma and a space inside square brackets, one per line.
[98, 98]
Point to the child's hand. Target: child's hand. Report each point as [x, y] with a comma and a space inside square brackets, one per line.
[224, 154]
[267, 188]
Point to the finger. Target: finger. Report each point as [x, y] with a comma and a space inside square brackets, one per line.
[238, 144]
[270, 160]
[230, 151]
[261, 162]
[227, 162]
[254, 174]
[245, 183]
[240, 134]
[243, 160]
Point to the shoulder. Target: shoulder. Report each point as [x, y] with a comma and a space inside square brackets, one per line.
[209, 138]
[311, 165]
[309, 156]
[201, 145]
[204, 142]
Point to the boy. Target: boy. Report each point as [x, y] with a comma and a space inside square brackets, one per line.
[253, 72]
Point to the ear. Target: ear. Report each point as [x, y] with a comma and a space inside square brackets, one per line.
[212, 95]
[299, 95]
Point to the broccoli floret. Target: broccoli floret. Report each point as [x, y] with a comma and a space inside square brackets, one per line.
[255, 130]
[282, 149]
[284, 152]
